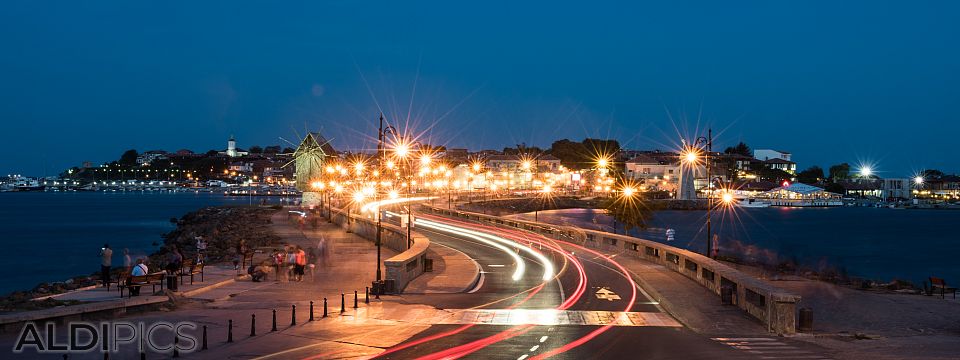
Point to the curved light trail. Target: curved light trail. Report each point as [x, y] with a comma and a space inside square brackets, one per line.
[520, 265]
[371, 206]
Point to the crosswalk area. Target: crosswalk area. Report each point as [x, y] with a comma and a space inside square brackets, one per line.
[770, 348]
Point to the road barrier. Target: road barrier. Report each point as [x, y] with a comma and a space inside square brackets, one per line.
[773, 306]
[401, 268]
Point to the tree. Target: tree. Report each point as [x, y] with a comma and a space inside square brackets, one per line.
[273, 149]
[836, 188]
[634, 212]
[741, 149]
[811, 175]
[570, 153]
[839, 172]
[129, 158]
[256, 149]
[932, 174]
[773, 175]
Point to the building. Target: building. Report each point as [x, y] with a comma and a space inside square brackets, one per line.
[893, 189]
[781, 164]
[148, 157]
[799, 194]
[643, 167]
[768, 154]
[232, 150]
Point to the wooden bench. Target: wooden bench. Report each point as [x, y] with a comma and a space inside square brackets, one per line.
[121, 276]
[940, 284]
[155, 279]
[190, 269]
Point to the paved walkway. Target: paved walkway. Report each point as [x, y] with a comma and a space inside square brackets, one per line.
[349, 267]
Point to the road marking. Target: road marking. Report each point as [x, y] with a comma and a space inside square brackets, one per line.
[547, 317]
[769, 348]
[543, 338]
[534, 348]
[496, 265]
[606, 294]
[524, 356]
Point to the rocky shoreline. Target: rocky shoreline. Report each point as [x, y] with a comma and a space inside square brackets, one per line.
[222, 227]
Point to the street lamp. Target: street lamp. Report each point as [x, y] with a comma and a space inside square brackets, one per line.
[382, 154]
[691, 156]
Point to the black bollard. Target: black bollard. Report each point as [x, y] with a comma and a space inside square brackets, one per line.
[106, 356]
[354, 299]
[293, 315]
[204, 345]
[311, 310]
[343, 304]
[366, 295]
[176, 343]
[229, 331]
[65, 356]
[253, 324]
[324, 307]
[274, 328]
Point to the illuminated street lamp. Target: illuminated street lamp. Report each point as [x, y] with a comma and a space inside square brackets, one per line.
[918, 181]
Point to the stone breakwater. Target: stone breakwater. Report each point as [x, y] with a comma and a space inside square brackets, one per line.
[222, 227]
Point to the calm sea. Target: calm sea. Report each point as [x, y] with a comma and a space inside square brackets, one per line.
[876, 243]
[51, 236]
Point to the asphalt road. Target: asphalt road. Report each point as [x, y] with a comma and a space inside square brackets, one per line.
[499, 291]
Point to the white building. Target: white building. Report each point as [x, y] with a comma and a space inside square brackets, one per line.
[769, 154]
[896, 189]
[232, 150]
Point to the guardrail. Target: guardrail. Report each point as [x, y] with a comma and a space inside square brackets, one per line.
[401, 268]
[773, 306]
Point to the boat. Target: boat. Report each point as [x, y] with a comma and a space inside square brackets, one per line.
[753, 203]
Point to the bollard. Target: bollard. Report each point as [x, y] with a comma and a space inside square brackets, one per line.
[354, 299]
[311, 310]
[106, 356]
[176, 343]
[65, 356]
[293, 315]
[204, 345]
[143, 356]
[324, 307]
[229, 331]
[253, 324]
[366, 295]
[274, 328]
[343, 308]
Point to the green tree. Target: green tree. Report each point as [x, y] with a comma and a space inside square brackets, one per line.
[129, 158]
[271, 149]
[773, 175]
[570, 153]
[839, 172]
[256, 149]
[741, 149]
[811, 175]
[835, 188]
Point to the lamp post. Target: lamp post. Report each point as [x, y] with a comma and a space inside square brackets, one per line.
[381, 155]
[691, 157]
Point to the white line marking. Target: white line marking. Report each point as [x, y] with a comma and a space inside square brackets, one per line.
[496, 265]
[524, 356]
[534, 348]
[543, 338]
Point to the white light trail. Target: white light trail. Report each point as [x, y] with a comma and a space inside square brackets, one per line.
[548, 268]
[373, 205]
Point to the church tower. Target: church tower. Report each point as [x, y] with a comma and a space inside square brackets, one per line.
[232, 147]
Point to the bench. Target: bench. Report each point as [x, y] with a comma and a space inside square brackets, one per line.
[938, 283]
[122, 275]
[155, 279]
[190, 269]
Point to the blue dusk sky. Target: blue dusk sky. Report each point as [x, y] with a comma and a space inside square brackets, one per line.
[830, 81]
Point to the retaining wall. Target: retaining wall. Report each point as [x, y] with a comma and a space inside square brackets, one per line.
[403, 267]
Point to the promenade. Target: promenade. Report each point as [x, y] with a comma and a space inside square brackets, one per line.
[226, 296]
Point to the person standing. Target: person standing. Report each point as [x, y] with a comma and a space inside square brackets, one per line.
[106, 260]
[127, 262]
[301, 258]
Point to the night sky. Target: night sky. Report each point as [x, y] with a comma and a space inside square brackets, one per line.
[830, 81]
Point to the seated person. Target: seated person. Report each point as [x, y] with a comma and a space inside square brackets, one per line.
[258, 273]
[139, 270]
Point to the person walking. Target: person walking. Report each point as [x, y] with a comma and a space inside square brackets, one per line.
[301, 262]
[106, 260]
[174, 260]
[201, 249]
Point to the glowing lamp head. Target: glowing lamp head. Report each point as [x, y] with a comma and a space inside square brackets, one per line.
[394, 194]
[317, 185]
[918, 180]
[402, 150]
[690, 156]
[425, 160]
[476, 167]
[358, 196]
[629, 191]
[603, 163]
[866, 171]
[726, 198]
[525, 165]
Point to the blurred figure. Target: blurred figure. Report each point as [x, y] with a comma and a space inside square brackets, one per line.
[106, 260]
[127, 262]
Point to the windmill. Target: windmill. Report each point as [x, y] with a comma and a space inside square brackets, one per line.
[308, 160]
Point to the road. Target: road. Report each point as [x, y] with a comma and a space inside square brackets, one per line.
[605, 289]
